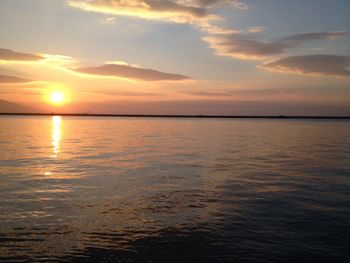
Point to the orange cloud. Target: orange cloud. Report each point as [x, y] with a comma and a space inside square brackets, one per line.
[10, 55]
[180, 11]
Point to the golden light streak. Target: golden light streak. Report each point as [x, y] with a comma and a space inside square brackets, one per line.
[56, 135]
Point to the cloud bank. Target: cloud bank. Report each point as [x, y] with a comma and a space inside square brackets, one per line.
[318, 65]
[10, 55]
[246, 46]
[130, 72]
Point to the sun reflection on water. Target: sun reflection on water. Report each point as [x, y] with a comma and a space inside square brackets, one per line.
[56, 135]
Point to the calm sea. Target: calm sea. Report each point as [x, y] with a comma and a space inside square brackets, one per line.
[174, 190]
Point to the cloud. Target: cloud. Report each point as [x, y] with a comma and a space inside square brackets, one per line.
[256, 29]
[180, 11]
[242, 92]
[60, 63]
[125, 93]
[22, 92]
[205, 93]
[195, 12]
[246, 46]
[318, 65]
[130, 72]
[8, 54]
[12, 80]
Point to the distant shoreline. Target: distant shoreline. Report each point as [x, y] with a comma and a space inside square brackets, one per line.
[177, 116]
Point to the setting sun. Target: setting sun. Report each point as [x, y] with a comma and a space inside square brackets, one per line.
[57, 97]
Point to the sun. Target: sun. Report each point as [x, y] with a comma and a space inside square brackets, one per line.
[57, 97]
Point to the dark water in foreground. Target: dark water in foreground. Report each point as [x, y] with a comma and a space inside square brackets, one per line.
[174, 190]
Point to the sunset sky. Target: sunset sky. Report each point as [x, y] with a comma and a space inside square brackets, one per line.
[177, 56]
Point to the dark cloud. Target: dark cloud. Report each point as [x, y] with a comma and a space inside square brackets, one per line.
[8, 54]
[130, 72]
[246, 46]
[12, 80]
[324, 65]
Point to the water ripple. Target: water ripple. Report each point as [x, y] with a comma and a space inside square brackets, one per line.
[180, 190]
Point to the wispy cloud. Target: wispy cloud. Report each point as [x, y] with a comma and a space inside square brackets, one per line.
[270, 92]
[22, 92]
[180, 11]
[125, 93]
[210, 93]
[60, 64]
[4, 79]
[317, 65]
[256, 29]
[130, 72]
[247, 46]
[10, 55]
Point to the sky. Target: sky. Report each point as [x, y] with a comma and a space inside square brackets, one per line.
[227, 57]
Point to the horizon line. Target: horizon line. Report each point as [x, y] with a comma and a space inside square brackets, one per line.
[203, 116]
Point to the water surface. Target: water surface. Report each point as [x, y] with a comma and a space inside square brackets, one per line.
[81, 189]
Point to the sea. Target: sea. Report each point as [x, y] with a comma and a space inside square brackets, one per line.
[95, 189]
